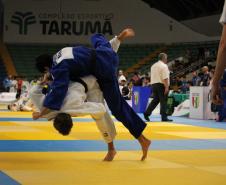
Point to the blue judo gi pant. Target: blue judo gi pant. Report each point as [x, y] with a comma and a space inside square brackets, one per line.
[105, 71]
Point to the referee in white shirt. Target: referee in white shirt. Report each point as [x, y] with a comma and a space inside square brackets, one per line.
[160, 87]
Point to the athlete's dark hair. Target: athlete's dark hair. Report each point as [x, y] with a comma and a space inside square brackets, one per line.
[63, 123]
[42, 61]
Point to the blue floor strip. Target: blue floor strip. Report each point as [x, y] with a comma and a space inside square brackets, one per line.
[97, 145]
[179, 120]
[200, 123]
[7, 180]
[188, 121]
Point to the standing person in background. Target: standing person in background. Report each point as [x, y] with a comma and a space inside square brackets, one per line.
[221, 64]
[206, 77]
[160, 87]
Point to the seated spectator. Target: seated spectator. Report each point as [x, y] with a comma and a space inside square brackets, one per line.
[146, 82]
[121, 76]
[184, 87]
[7, 83]
[136, 79]
[125, 93]
[122, 84]
[175, 84]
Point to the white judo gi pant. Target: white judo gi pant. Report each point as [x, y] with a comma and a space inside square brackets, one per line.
[79, 103]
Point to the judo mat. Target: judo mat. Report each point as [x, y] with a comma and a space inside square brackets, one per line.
[184, 152]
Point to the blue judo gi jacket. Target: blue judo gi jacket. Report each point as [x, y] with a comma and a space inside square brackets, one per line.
[73, 62]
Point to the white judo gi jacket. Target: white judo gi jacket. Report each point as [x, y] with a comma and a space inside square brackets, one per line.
[79, 103]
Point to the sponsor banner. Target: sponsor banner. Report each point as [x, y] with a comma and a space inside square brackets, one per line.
[195, 100]
[136, 98]
[199, 105]
[140, 97]
[56, 22]
[69, 21]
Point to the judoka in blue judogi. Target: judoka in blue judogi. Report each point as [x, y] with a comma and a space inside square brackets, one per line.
[70, 63]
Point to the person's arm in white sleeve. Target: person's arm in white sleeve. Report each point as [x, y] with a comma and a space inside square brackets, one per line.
[116, 41]
[37, 97]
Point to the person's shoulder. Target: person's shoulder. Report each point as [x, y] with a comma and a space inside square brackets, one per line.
[63, 54]
[155, 64]
[162, 64]
[66, 51]
[166, 66]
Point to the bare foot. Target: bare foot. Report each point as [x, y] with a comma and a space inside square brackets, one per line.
[145, 143]
[110, 155]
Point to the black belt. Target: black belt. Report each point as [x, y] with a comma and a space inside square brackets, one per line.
[79, 80]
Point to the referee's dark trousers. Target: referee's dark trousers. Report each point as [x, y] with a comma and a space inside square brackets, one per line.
[158, 90]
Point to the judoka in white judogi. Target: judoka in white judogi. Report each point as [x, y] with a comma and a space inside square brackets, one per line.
[79, 103]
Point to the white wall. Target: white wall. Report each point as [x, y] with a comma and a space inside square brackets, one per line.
[151, 26]
[208, 25]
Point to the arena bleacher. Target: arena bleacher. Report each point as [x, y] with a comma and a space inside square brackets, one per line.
[24, 55]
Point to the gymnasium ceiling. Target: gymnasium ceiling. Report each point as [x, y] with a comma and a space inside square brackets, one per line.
[187, 9]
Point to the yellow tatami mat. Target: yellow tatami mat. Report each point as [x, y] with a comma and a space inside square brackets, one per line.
[33, 153]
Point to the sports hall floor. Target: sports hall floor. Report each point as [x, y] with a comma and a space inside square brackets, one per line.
[184, 152]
